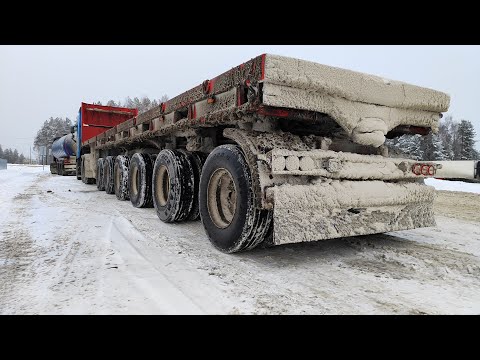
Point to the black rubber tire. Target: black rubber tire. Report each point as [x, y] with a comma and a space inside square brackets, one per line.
[478, 170]
[179, 201]
[120, 177]
[79, 170]
[249, 226]
[99, 175]
[197, 159]
[84, 179]
[108, 174]
[140, 180]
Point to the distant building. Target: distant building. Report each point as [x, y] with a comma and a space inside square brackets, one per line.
[3, 164]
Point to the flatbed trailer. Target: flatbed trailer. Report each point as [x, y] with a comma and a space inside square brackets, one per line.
[276, 150]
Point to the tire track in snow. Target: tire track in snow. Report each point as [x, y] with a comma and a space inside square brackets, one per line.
[147, 275]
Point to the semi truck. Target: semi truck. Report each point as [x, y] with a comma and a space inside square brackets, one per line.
[64, 150]
[276, 150]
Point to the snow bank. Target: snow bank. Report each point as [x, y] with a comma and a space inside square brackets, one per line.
[453, 185]
[13, 179]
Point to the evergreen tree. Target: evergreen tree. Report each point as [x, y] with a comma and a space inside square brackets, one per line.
[15, 157]
[1, 152]
[409, 146]
[426, 147]
[129, 103]
[21, 159]
[52, 128]
[8, 155]
[448, 150]
[446, 133]
[438, 148]
[146, 104]
[137, 104]
[466, 141]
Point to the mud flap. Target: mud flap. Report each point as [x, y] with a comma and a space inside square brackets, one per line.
[333, 209]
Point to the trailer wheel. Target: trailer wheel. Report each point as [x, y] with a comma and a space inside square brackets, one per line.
[108, 174]
[140, 180]
[120, 177]
[79, 170]
[99, 175]
[53, 168]
[227, 209]
[84, 179]
[478, 170]
[172, 186]
[59, 169]
[196, 159]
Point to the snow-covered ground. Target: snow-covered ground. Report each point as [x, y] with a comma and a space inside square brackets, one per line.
[447, 185]
[66, 248]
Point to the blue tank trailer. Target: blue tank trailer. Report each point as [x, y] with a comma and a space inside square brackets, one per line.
[64, 150]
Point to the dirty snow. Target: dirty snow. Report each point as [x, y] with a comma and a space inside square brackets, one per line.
[67, 248]
[365, 106]
[332, 208]
[352, 85]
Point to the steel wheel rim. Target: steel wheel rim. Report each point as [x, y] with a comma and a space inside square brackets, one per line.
[163, 185]
[135, 181]
[221, 198]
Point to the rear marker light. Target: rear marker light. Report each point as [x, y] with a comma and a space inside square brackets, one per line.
[417, 169]
[424, 169]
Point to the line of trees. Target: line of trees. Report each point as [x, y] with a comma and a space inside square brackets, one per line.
[455, 140]
[142, 104]
[12, 156]
[51, 128]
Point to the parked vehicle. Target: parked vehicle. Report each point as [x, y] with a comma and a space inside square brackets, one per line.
[276, 150]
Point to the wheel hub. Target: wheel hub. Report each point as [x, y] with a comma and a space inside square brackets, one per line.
[222, 198]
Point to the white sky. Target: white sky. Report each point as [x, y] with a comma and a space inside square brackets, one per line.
[37, 82]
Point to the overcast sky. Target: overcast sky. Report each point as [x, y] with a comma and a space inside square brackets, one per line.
[37, 82]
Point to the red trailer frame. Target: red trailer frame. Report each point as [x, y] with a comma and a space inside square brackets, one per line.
[97, 119]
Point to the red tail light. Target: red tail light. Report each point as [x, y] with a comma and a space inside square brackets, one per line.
[417, 169]
[423, 169]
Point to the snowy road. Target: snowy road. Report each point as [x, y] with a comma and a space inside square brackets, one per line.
[66, 248]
